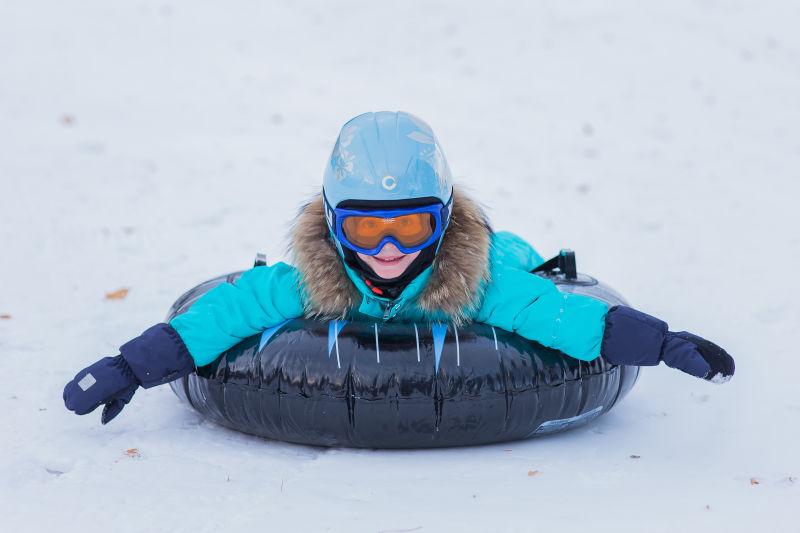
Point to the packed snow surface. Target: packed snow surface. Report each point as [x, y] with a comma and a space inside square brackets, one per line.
[150, 145]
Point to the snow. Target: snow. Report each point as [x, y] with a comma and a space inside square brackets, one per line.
[152, 145]
[719, 378]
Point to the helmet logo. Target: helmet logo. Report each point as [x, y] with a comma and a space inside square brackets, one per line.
[389, 182]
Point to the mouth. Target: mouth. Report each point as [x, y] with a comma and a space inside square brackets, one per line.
[388, 260]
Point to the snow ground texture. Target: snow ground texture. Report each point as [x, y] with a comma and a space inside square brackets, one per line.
[152, 145]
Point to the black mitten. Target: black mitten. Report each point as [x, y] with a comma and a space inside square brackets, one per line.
[635, 338]
[109, 381]
[156, 356]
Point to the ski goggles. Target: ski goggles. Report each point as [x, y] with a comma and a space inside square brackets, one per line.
[409, 229]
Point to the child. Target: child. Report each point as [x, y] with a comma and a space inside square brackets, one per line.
[391, 239]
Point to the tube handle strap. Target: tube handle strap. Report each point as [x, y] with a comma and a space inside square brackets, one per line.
[564, 262]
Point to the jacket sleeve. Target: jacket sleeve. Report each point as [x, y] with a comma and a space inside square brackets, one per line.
[531, 306]
[261, 298]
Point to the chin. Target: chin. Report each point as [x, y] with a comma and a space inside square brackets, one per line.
[390, 272]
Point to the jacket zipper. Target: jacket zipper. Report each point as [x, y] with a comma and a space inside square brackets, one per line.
[391, 306]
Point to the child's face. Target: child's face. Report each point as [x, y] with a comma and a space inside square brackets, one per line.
[389, 262]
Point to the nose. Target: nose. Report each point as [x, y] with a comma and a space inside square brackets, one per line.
[390, 250]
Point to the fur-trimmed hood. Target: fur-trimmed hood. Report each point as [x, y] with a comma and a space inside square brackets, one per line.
[458, 275]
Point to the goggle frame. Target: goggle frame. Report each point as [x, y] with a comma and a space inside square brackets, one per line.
[335, 218]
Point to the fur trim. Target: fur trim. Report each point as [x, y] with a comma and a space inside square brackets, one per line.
[329, 292]
[455, 287]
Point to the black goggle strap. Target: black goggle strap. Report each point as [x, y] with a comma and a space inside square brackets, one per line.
[330, 216]
[447, 210]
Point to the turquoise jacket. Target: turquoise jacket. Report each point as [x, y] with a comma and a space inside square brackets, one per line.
[513, 299]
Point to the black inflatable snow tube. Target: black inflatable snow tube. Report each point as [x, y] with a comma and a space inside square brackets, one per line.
[390, 385]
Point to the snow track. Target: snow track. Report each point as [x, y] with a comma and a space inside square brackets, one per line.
[151, 145]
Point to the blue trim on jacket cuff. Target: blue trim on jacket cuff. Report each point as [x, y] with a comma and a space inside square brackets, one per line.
[632, 337]
[157, 356]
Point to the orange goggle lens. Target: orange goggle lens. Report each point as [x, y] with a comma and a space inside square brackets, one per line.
[409, 230]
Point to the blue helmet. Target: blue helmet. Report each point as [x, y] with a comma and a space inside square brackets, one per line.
[386, 156]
